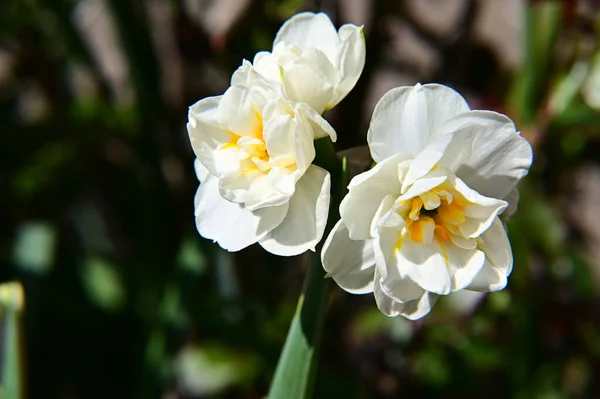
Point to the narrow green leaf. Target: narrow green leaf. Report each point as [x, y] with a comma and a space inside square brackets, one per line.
[295, 373]
[296, 369]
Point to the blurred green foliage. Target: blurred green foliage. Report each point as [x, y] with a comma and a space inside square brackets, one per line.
[123, 299]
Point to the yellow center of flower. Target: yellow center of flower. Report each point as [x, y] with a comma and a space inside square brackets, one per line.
[432, 215]
[254, 156]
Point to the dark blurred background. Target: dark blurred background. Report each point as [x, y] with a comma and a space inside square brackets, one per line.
[122, 297]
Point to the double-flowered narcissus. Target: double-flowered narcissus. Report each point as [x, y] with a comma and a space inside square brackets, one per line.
[255, 143]
[254, 150]
[313, 62]
[424, 221]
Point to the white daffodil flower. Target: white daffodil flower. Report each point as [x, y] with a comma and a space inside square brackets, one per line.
[254, 151]
[314, 63]
[424, 221]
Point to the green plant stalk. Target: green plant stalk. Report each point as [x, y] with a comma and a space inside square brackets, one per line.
[295, 373]
[296, 370]
[11, 381]
[11, 304]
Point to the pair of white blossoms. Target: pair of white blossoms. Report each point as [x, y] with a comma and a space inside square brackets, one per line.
[423, 222]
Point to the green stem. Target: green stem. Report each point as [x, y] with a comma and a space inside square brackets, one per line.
[296, 370]
[11, 304]
[294, 376]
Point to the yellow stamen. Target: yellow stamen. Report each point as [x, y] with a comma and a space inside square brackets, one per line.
[250, 169]
[442, 233]
[415, 208]
[452, 213]
[232, 142]
[422, 230]
[258, 129]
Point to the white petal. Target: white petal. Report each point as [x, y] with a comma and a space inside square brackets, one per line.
[205, 133]
[406, 118]
[402, 290]
[423, 185]
[283, 180]
[307, 80]
[462, 242]
[494, 242]
[464, 264]
[266, 64]
[201, 171]
[305, 221]
[425, 264]
[238, 112]
[385, 216]
[229, 224]
[513, 199]
[489, 279]
[247, 75]
[412, 310]
[426, 160]
[206, 110]
[306, 30]
[481, 211]
[352, 60]
[321, 127]
[390, 131]
[384, 247]
[394, 283]
[487, 153]
[254, 192]
[304, 144]
[278, 133]
[498, 262]
[350, 263]
[367, 190]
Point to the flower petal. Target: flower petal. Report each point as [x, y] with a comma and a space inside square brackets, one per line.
[498, 260]
[412, 310]
[201, 171]
[425, 264]
[480, 212]
[513, 200]
[367, 190]
[247, 75]
[426, 160]
[487, 152]
[266, 64]
[489, 279]
[386, 216]
[282, 180]
[464, 264]
[321, 128]
[306, 30]
[422, 185]
[494, 242]
[395, 285]
[350, 263]
[278, 132]
[310, 78]
[351, 62]
[238, 110]
[407, 118]
[305, 221]
[205, 132]
[304, 144]
[231, 225]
